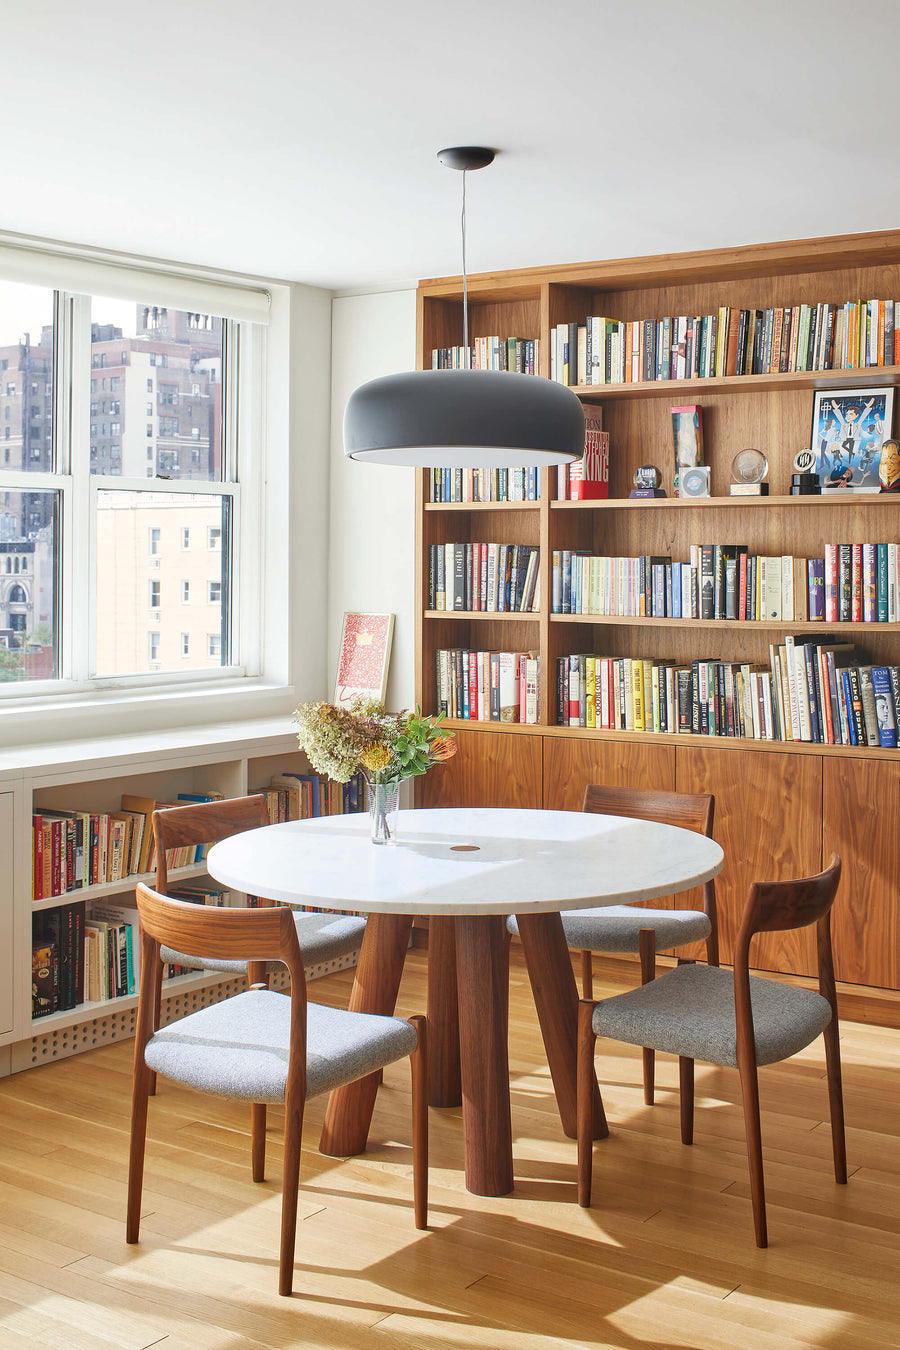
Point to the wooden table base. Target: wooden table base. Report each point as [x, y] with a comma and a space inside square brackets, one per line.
[482, 972]
[383, 952]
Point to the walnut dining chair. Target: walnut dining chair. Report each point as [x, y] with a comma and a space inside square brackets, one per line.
[323, 938]
[260, 1046]
[633, 929]
[739, 1020]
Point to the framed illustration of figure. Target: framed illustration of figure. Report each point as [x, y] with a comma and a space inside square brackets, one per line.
[363, 658]
[849, 427]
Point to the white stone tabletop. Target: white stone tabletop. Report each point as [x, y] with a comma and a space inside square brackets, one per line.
[460, 861]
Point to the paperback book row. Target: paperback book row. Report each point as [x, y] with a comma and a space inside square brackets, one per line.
[80, 955]
[812, 690]
[488, 686]
[485, 485]
[851, 583]
[302, 796]
[522, 355]
[849, 336]
[499, 578]
[74, 849]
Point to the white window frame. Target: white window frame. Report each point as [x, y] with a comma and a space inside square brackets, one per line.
[246, 380]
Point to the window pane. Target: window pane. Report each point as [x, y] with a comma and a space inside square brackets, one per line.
[26, 372]
[173, 355]
[29, 553]
[147, 603]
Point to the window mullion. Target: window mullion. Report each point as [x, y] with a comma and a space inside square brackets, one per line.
[80, 579]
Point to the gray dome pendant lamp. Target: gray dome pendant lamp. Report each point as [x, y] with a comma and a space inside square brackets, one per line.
[464, 419]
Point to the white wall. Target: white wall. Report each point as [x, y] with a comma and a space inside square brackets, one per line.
[372, 508]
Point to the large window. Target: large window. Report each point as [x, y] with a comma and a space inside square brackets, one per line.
[101, 490]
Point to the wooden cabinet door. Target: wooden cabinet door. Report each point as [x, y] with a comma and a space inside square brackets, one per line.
[571, 762]
[861, 810]
[769, 823]
[489, 769]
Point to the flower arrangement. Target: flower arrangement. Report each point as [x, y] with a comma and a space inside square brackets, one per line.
[385, 747]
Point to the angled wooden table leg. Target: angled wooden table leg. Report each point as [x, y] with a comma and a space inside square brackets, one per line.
[444, 1087]
[375, 986]
[556, 1000]
[482, 966]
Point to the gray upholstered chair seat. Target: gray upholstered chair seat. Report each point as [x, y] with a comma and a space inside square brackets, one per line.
[322, 938]
[616, 928]
[239, 1048]
[690, 1011]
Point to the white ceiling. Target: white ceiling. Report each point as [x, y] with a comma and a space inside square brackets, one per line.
[293, 140]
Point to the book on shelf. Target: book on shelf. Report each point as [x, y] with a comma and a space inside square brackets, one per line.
[484, 577]
[829, 335]
[486, 686]
[59, 931]
[812, 690]
[726, 581]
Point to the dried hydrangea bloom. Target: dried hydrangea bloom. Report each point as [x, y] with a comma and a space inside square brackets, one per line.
[332, 738]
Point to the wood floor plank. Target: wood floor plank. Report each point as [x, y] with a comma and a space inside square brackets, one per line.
[665, 1257]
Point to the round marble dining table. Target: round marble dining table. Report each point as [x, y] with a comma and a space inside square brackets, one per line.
[467, 869]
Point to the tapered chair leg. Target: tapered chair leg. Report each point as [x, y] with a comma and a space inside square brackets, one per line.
[686, 1098]
[293, 1134]
[157, 1014]
[836, 1100]
[753, 1132]
[587, 974]
[418, 1062]
[584, 1099]
[257, 978]
[139, 1101]
[647, 953]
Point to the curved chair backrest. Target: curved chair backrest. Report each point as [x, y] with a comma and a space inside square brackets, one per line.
[689, 810]
[776, 906]
[225, 934]
[203, 823]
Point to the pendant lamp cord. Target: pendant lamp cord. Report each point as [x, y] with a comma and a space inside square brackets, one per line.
[465, 286]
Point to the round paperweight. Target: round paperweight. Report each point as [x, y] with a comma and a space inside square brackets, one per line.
[646, 480]
[748, 469]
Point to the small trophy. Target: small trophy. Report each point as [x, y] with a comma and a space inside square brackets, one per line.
[647, 479]
[804, 480]
[748, 469]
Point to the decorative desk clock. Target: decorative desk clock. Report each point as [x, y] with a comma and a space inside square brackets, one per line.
[647, 479]
[748, 469]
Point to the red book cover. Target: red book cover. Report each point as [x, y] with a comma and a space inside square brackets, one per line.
[37, 866]
[473, 687]
[476, 576]
[363, 659]
[589, 477]
[831, 583]
[856, 583]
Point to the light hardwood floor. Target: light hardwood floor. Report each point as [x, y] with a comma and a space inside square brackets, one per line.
[664, 1258]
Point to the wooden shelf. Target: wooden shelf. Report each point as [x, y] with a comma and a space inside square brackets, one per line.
[482, 506]
[680, 390]
[483, 615]
[860, 630]
[880, 500]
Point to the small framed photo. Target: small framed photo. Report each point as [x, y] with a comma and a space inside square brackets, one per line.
[848, 430]
[364, 657]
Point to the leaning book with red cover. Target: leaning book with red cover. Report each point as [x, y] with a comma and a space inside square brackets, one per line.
[589, 477]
